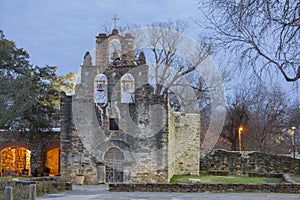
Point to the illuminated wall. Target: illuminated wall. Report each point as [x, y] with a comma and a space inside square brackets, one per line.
[13, 160]
[53, 161]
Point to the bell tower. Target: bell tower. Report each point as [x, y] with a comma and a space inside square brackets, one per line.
[103, 42]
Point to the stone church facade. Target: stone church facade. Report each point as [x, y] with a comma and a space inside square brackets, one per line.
[115, 129]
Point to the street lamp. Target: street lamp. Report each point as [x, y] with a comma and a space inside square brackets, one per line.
[240, 137]
[294, 140]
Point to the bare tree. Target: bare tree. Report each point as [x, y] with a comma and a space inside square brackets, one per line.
[264, 114]
[173, 66]
[265, 34]
[237, 115]
[172, 63]
[170, 68]
[268, 118]
[294, 114]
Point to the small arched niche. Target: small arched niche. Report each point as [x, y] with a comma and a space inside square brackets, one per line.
[127, 88]
[100, 89]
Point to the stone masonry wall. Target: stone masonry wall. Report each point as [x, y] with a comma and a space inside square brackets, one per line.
[142, 135]
[37, 143]
[132, 136]
[185, 188]
[184, 144]
[102, 47]
[247, 162]
[74, 157]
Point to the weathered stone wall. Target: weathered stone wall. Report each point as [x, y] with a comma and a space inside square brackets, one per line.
[184, 144]
[185, 188]
[142, 134]
[37, 143]
[139, 144]
[144, 148]
[102, 47]
[74, 157]
[247, 162]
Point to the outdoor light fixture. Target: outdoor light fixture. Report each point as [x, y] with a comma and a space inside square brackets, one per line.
[240, 137]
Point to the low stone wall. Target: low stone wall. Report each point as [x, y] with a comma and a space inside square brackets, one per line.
[196, 188]
[44, 185]
[235, 162]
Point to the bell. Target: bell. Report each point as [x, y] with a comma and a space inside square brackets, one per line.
[115, 55]
[100, 88]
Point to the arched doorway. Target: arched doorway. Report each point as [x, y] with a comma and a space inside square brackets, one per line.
[15, 161]
[53, 161]
[114, 159]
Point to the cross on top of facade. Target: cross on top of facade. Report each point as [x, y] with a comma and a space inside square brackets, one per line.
[115, 19]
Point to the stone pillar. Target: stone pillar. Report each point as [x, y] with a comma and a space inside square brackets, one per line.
[8, 193]
[126, 174]
[128, 48]
[101, 174]
[102, 50]
[184, 144]
[32, 192]
[65, 133]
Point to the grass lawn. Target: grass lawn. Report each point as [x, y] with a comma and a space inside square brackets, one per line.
[297, 179]
[225, 179]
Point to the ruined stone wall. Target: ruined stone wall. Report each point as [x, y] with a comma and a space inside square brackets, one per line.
[138, 145]
[74, 157]
[37, 143]
[142, 134]
[184, 144]
[247, 162]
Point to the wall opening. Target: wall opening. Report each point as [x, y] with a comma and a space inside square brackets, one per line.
[127, 88]
[53, 161]
[115, 53]
[15, 161]
[113, 124]
[114, 159]
[100, 89]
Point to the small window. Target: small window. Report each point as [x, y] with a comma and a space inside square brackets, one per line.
[113, 125]
[100, 89]
[127, 88]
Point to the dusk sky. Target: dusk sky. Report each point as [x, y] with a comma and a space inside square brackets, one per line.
[58, 33]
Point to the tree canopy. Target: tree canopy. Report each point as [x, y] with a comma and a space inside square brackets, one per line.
[29, 94]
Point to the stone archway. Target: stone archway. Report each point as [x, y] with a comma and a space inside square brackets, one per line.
[53, 161]
[114, 159]
[15, 161]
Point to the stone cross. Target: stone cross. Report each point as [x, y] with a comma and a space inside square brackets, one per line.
[115, 19]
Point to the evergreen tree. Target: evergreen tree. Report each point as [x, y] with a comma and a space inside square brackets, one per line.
[29, 95]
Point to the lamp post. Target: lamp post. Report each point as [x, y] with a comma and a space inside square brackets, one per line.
[294, 140]
[240, 137]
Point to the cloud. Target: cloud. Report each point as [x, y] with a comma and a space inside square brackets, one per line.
[59, 32]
